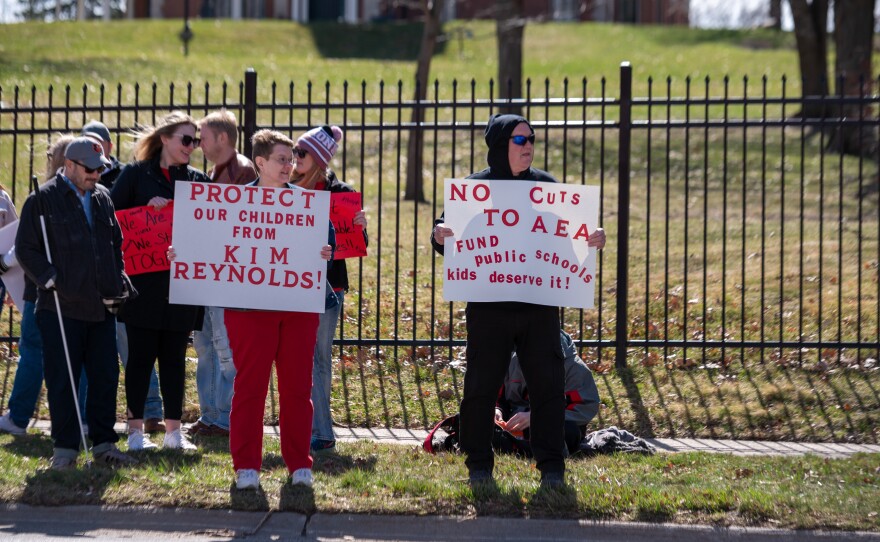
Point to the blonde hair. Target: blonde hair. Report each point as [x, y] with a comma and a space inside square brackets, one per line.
[55, 153]
[149, 139]
[222, 121]
[312, 177]
[265, 140]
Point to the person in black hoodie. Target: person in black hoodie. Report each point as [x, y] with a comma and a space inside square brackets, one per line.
[156, 328]
[495, 329]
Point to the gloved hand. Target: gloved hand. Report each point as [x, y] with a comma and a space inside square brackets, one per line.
[113, 304]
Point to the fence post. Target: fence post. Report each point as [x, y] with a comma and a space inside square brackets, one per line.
[623, 155]
[250, 109]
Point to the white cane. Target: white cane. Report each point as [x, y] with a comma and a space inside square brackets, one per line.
[82, 431]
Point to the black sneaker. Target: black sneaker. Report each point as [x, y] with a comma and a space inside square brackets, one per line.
[321, 445]
[479, 476]
[114, 458]
[552, 479]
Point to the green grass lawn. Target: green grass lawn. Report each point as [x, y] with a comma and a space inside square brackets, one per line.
[143, 52]
[364, 477]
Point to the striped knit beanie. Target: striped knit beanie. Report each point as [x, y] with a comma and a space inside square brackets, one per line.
[321, 143]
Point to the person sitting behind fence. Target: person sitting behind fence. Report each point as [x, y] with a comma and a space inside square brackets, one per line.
[581, 398]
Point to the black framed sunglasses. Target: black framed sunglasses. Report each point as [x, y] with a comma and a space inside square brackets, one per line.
[90, 170]
[300, 153]
[188, 140]
[521, 139]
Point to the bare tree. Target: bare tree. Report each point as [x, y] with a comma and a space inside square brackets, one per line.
[810, 30]
[509, 28]
[415, 190]
[776, 14]
[853, 40]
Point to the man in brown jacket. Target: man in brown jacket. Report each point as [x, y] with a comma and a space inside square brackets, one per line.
[215, 371]
[219, 134]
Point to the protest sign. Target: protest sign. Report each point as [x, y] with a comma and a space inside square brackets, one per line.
[349, 238]
[146, 235]
[14, 278]
[249, 247]
[520, 241]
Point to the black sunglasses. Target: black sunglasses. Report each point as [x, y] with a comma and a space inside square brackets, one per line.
[300, 153]
[90, 170]
[521, 139]
[188, 140]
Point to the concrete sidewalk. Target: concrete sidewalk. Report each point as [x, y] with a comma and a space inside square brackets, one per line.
[415, 437]
[735, 447]
[22, 522]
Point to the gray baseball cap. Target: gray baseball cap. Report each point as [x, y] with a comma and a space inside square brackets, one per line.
[97, 128]
[87, 152]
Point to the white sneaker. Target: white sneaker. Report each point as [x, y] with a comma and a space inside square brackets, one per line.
[138, 441]
[8, 426]
[302, 477]
[247, 479]
[175, 440]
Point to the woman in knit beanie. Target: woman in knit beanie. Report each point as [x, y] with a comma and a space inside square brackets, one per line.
[312, 154]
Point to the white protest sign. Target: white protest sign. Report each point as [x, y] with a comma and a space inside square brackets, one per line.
[14, 278]
[520, 241]
[249, 247]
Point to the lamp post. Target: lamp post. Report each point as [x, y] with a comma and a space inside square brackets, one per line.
[186, 34]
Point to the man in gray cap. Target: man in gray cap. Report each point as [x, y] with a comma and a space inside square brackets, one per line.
[83, 276]
[100, 132]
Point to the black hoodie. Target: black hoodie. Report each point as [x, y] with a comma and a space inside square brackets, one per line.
[498, 132]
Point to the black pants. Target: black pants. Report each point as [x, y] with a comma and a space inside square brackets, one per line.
[493, 330]
[92, 346]
[144, 347]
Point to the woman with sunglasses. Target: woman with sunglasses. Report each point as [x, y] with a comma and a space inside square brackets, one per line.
[314, 150]
[155, 328]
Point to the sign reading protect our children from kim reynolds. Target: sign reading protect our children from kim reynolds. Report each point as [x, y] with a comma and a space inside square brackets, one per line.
[520, 241]
[249, 247]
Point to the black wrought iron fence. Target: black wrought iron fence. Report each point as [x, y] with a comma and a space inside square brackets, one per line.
[736, 232]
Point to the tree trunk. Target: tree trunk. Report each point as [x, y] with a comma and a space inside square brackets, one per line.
[853, 40]
[776, 14]
[509, 26]
[414, 150]
[810, 30]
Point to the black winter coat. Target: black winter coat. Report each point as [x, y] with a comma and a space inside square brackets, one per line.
[87, 260]
[136, 185]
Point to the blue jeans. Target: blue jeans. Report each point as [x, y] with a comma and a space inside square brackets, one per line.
[29, 374]
[153, 405]
[92, 347]
[322, 372]
[215, 371]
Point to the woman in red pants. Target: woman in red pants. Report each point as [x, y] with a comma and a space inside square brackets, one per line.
[258, 338]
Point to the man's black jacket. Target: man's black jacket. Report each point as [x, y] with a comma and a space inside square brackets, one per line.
[86, 261]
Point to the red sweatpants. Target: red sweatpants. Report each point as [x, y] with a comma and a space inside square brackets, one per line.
[258, 338]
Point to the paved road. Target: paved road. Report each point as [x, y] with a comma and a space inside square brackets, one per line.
[24, 523]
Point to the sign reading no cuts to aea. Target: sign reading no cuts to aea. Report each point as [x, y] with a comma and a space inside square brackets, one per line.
[519, 240]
